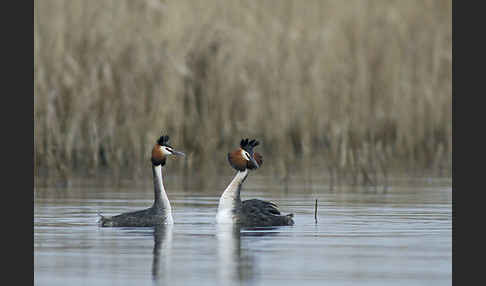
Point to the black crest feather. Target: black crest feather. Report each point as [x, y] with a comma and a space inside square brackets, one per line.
[163, 140]
[248, 144]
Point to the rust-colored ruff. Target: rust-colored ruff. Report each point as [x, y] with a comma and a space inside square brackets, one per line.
[158, 158]
[236, 160]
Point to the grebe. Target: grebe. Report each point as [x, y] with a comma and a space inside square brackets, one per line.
[249, 213]
[160, 212]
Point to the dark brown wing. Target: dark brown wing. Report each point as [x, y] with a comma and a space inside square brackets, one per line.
[141, 218]
[263, 213]
[265, 207]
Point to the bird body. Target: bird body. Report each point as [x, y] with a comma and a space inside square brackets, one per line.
[249, 213]
[161, 211]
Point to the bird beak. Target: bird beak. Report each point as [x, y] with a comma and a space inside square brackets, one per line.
[254, 161]
[178, 153]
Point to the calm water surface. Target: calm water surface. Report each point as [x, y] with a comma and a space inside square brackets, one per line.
[363, 237]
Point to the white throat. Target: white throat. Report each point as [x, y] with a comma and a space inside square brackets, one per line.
[161, 200]
[230, 202]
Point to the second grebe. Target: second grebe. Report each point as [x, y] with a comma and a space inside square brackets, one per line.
[160, 212]
[249, 213]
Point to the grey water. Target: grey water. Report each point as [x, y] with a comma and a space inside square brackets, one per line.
[401, 235]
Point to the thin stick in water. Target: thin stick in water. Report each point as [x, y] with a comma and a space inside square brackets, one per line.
[315, 212]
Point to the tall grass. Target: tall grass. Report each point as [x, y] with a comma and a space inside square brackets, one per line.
[348, 85]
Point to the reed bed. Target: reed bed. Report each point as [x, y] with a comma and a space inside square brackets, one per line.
[358, 87]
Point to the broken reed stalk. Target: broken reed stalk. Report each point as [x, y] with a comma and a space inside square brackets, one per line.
[315, 212]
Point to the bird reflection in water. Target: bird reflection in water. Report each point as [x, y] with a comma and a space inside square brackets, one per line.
[162, 248]
[237, 264]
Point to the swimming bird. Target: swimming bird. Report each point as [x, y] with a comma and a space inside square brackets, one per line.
[248, 213]
[160, 212]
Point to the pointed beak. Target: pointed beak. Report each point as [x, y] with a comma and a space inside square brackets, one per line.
[254, 162]
[178, 153]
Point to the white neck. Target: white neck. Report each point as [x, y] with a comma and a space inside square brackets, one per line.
[161, 200]
[230, 202]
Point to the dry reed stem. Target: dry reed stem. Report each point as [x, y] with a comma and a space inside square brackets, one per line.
[351, 84]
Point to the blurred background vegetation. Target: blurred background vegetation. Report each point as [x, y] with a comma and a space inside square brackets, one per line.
[342, 87]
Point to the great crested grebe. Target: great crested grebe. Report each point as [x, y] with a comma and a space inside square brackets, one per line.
[249, 213]
[160, 212]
